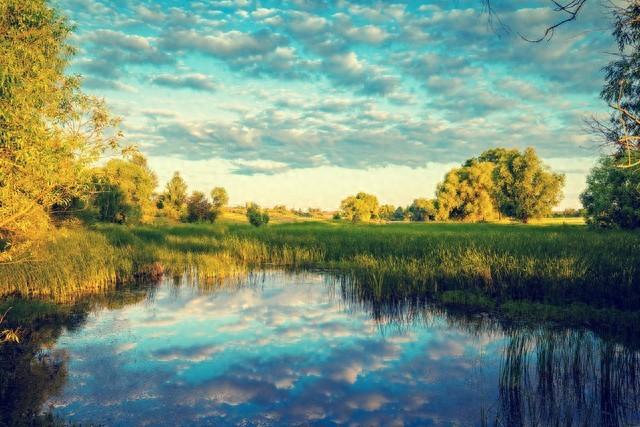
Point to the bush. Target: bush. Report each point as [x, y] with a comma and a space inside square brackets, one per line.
[257, 216]
[612, 197]
[199, 208]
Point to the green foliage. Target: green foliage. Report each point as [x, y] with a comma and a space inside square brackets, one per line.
[547, 264]
[256, 216]
[467, 193]
[612, 196]
[399, 214]
[112, 207]
[622, 83]
[525, 188]
[362, 207]
[500, 181]
[173, 201]
[219, 200]
[49, 130]
[422, 210]
[386, 212]
[199, 208]
[125, 189]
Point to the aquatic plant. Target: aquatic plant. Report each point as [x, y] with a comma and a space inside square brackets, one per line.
[544, 264]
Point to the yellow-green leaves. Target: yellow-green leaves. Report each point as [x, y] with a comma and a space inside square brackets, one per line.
[50, 132]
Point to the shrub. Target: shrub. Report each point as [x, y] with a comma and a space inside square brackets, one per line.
[257, 216]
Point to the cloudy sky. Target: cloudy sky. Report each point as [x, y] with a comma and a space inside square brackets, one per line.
[303, 102]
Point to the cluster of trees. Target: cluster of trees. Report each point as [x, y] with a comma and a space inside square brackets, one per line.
[176, 204]
[498, 183]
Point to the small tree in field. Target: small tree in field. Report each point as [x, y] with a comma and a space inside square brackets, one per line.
[219, 200]
[198, 208]
[362, 207]
[467, 193]
[174, 198]
[422, 210]
[256, 216]
[524, 187]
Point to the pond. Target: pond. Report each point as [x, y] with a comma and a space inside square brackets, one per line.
[278, 348]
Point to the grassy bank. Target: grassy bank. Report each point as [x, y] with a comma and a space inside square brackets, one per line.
[549, 264]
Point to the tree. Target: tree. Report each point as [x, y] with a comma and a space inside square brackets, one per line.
[256, 216]
[50, 132]
[467, 193]
[422, 210]
[361, 207]
[568, 10]
[199, 208]
[525, 187]
[110, 201]
[219, 198]
[124, 190]
[612, 196]
[386, 212]
[174, 198]
[398, 214]
[621, 88]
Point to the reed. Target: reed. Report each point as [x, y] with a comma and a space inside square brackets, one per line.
[548, 264]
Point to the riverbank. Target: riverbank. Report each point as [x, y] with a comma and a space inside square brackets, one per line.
[544, 264]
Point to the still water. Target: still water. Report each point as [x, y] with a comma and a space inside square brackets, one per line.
[304, 349]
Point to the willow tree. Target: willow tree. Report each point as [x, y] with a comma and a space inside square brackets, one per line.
[467, 193]
[422, 210]
[525, 188]
[360, 208]
[49, 130]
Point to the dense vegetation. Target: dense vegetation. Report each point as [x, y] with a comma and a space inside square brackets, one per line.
[550, 264]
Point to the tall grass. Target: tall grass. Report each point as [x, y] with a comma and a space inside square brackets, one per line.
[541, 263]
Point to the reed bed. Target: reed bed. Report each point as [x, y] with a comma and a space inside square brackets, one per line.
[551, 264]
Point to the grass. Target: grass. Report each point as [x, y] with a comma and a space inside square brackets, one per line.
[557, 264]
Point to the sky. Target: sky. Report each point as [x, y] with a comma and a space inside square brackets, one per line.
[302, 102]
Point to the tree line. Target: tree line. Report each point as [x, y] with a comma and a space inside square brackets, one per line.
[498, 183]
[124, 192]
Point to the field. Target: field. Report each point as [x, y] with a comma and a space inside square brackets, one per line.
[541, 263]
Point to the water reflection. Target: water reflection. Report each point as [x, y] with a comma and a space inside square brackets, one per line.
[278, 349]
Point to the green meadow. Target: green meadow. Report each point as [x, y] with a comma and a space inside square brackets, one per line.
[483, 265]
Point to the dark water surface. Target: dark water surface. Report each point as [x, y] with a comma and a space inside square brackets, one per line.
[285, 349]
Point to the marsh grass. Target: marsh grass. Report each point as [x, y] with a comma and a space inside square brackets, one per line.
[546, 264]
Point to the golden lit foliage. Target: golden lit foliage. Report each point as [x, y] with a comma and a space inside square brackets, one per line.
[125, 188]
[362, 207]
[500, 181]
[467, 193]
[49, 130]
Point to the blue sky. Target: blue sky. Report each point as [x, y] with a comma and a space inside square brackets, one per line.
[303, 102]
